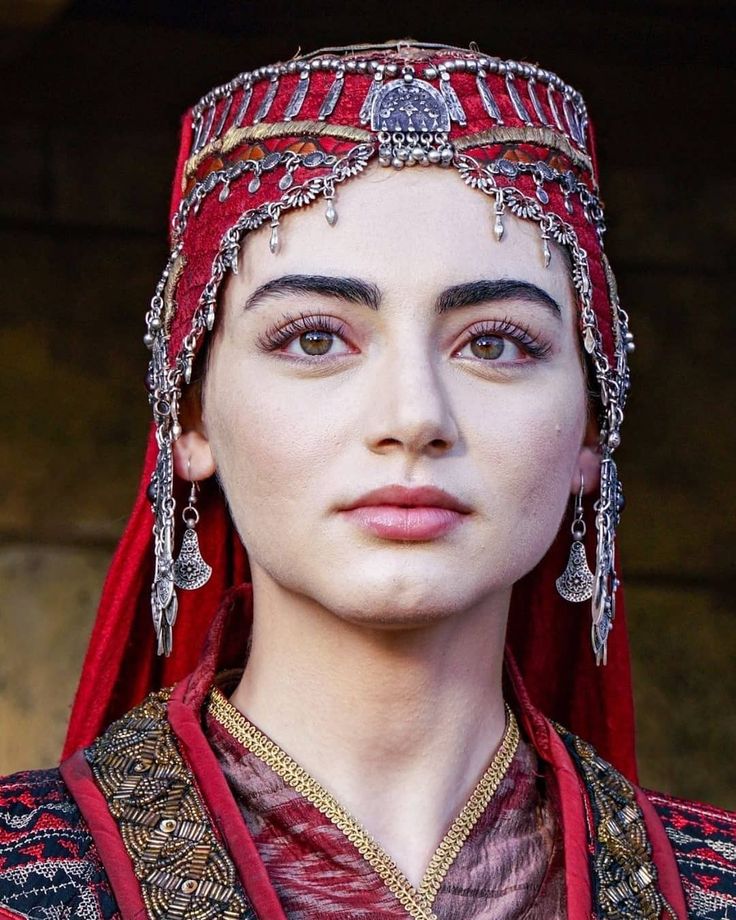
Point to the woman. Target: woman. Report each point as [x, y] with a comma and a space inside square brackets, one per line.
[388, 391]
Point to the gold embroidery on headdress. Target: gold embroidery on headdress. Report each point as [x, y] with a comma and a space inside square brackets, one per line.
[170, 291]
[541, 137]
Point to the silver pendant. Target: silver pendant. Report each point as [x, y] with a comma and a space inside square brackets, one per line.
[404, 106]
[534, 99]
[576, 582]
[516, 101]
[571, 119]
[223, 116]
[368, 107]
[298, 96]
[489, 103]
[454, 106]
[412, 120]
[331, 212]
[332, 97]
[163, 596]
[267, 101]
[207, 127]
[273, 240]
[242, 108]
[190, 569]
[553, 107]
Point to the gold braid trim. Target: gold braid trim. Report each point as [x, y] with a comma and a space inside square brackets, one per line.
[481, 796]
[234, 137]
[182, 867]
[416, 901]
[540, 137]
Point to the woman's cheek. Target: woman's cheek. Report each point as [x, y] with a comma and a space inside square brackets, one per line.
[266, 447]
[537, 446]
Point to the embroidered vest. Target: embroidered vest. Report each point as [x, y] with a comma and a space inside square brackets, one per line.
[185, 871]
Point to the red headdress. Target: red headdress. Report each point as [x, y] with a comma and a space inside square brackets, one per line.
[284, 137]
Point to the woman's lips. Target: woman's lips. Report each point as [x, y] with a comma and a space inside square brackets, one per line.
[408, 514]
[392, 522]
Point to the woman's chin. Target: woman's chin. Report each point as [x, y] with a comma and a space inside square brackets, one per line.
[401, 602]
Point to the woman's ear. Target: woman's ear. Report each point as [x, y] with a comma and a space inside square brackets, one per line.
[193, 460]
[589, 460]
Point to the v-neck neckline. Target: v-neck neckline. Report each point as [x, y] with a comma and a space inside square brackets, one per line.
[417, 901]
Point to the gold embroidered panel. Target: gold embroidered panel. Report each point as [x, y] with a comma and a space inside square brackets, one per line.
[625, 884]
[182, 866]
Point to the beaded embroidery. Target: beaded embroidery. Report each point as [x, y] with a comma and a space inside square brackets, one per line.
[621, 865]
[49, 865]
[181, 865]
[704, 841]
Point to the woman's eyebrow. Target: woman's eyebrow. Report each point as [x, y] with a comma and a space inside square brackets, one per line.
[355, 290]
[476, 292]
[352, 290]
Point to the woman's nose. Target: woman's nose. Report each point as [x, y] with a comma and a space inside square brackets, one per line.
[408, 406]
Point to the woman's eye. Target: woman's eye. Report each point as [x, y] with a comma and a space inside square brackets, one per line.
[315, 343]
[491, 348]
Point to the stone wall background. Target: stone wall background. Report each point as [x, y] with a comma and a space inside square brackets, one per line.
[92, 95]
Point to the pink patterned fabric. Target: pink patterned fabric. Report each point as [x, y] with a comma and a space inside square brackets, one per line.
[511, 865]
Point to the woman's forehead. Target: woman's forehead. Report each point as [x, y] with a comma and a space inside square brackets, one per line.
[422, 231]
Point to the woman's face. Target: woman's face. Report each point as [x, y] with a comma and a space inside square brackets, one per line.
[407, 347]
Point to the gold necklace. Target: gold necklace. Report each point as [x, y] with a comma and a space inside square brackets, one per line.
[416, 901]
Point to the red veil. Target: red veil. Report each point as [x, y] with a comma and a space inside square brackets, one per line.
[527, 120]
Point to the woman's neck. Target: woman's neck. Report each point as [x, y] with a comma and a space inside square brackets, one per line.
[398, 724]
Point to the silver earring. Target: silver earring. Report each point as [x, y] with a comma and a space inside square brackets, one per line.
[577, 581]
[190, 569]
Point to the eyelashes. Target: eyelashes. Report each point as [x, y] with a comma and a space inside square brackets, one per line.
[277, 336]
[506, 328]
[281, 334]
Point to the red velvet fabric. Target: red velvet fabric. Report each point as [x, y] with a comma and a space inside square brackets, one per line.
[78, 777]
[184, 717]
[549, 637]
[7, 914]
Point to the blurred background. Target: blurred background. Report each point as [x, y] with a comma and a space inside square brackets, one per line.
[92, 94]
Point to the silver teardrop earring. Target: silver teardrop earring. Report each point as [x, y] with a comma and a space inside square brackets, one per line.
[577, 581]
[190, 569]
